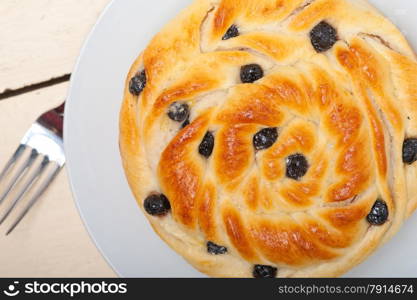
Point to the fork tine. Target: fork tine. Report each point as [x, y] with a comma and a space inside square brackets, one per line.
[12, 160]
[36, 196]
[28, 184]
[29, 161]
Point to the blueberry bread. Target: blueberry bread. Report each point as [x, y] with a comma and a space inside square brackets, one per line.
[273, 138]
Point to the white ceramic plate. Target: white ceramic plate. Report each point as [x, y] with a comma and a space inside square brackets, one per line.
[105, 202]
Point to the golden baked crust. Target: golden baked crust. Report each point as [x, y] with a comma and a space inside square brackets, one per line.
[347, 110]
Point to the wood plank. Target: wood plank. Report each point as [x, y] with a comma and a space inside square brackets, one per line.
[41, 39]
[51, 241]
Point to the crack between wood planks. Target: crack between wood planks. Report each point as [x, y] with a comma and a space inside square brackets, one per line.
[33, 87]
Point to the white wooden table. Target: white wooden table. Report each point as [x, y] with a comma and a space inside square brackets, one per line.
[40, 41]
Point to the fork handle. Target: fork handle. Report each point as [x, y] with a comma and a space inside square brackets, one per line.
[54, 119]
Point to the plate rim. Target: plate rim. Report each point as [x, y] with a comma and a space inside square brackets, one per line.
[65, 133]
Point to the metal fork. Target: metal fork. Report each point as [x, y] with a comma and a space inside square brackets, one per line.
[44, 141]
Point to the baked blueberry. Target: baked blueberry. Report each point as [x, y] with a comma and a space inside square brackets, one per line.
[215, 249]
[297, 166]
[157, 205]
[185, 124]
[232, 32]
[410, 151]
[207, 145]
[251, 73]
[379, 213]
[137, 83]
[265, 138]
[262, 271]
[178, 111]
[323, 36]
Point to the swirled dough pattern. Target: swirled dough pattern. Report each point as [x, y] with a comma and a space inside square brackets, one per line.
[273, 137]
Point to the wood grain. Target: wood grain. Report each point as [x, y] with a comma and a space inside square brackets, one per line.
[51, 241]
[41, 39]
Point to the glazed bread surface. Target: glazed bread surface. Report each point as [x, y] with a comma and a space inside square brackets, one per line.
[273, 138]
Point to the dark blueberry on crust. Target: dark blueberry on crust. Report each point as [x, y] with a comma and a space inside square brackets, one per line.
[323, 36]
[262, 271]
[265, 138]
[232, 32]
[185, 124]
[157, 205]
[178, 111]
[379, 213]
[207, 145]
[251, 73]
[410, 151]
[212, 248]
[297, 166]
[137, 83]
